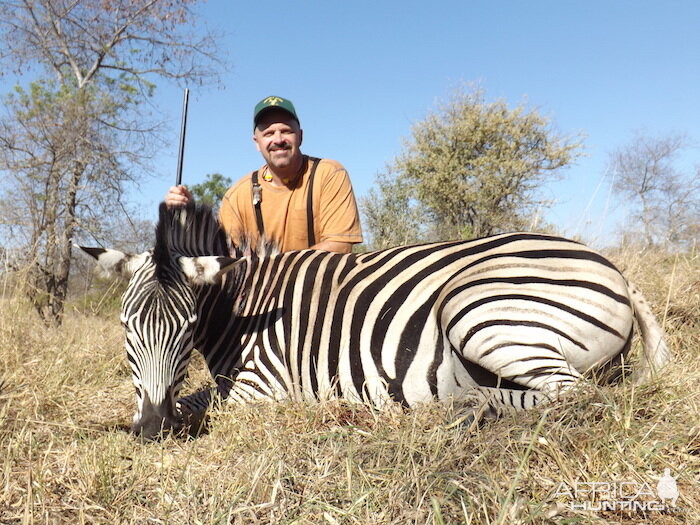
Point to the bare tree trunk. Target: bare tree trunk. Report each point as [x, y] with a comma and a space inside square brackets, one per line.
[62, 269]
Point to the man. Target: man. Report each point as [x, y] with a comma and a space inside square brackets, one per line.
[296, 200]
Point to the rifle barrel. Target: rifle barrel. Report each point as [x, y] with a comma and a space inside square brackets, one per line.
[183, 129]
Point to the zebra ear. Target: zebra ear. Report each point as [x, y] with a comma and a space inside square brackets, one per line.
[206, 269]
[115, 263]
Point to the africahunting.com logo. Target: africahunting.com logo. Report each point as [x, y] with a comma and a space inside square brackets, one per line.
[631, 496]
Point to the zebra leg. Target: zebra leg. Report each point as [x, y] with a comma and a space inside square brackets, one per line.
[498, 399]
[526, 366]
[493, 401]
[517, 376]
[194, 407]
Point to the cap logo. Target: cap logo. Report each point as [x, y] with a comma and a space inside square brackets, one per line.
[273, 101]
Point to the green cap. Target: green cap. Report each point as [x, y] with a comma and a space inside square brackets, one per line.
[273, 103]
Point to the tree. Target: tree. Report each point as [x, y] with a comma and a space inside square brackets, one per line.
[391, 214]
[72, 140]
[212, 190]
[665, 200]
[475, 167]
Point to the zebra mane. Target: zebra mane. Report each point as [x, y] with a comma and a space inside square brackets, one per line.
[194, 231]
[246, 246]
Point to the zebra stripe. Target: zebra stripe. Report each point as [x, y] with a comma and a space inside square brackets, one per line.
[517, 317]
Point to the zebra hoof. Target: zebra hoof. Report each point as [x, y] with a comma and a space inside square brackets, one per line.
[473, 418]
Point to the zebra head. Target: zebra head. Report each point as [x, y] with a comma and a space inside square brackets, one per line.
[159, 316]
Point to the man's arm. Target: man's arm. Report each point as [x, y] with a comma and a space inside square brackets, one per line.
[339, 218]
[333, 246]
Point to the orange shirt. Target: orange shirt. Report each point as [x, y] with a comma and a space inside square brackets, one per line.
[284, 209]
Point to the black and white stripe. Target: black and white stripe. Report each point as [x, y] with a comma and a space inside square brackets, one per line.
[519, 315]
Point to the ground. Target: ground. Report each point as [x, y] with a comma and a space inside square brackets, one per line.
[596, 456]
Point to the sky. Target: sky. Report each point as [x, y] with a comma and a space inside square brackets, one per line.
[362, 73]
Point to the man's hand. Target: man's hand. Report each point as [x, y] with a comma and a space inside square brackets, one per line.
[178, 196]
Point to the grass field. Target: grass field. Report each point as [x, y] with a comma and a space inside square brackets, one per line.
[66, 398]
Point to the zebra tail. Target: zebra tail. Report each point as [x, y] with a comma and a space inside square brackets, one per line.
[656, 352]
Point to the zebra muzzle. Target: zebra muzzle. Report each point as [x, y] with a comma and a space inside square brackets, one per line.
[157, 420]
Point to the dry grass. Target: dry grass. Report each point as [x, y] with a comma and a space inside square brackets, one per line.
[66, 397]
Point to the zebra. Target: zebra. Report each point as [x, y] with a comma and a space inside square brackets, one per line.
[515, 317]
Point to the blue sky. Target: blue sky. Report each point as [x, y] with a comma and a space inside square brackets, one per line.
[361, 73]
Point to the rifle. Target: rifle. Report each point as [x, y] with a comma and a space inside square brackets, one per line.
[183, 128]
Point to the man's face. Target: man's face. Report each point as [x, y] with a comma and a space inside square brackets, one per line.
[278, 137]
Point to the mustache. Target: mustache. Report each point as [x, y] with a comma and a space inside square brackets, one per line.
[284, 146]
